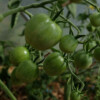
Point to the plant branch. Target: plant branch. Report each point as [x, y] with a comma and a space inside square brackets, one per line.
[23, 8]
[76, 78]
[65, 20]
[7, 91]
[91, 3]
[70, 23]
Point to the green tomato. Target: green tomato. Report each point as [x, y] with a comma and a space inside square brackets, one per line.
[82, 60]
[1, 49]
[14, 80]
[68, 44]
[90, 45]
[98, 30]
[75, 95]
[76, 1]
[54, 64]
[95, 19]
[18, 55]
[41, 32]
[97, 54]
[90, 28]
[27, 71]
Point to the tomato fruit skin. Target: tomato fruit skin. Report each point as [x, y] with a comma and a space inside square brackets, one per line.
[95, 19]
[68, 44]
[82, 60]
[54, 64]
[27, 71]
[76, 1]
[97, 54]
[14, 80]
[90, 28]
[75, 95]
[18, 55]
[41, 32]
[90, 45]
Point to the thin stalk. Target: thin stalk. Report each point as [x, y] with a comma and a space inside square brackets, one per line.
[70, 23]
[7, 91]
[88, 70]
[65, 20]
[94, 5]
[28, 13]
[76, 78]
[23, 8]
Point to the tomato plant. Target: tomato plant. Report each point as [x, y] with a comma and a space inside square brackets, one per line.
[59, 54]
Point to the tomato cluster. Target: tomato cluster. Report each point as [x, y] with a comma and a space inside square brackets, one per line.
[42, 33]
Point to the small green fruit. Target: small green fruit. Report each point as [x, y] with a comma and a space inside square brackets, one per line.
[27, 71]
[97, 54]
[95, 19]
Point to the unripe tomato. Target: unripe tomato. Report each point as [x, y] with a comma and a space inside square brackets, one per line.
[90, 45]
[82, 60]
[1, 49]
[97, 53]
[14, 80]
[68, 44]
[27, 71]
[18, 55]
[98, 30]
[54, 64]
[75, 95]
[95, 19]
[90, 28]
[41, 32]
[76, 1]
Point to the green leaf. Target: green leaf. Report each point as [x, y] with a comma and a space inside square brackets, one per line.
[14, 19]
[72, 9]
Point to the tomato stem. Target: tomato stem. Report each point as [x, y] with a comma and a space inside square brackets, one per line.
[57, 14]
[70, 23]
[28, 13]
[94, 5]
[23, 8]
[67, 89]
[7, 91]
[65, 19]
[76, 77]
